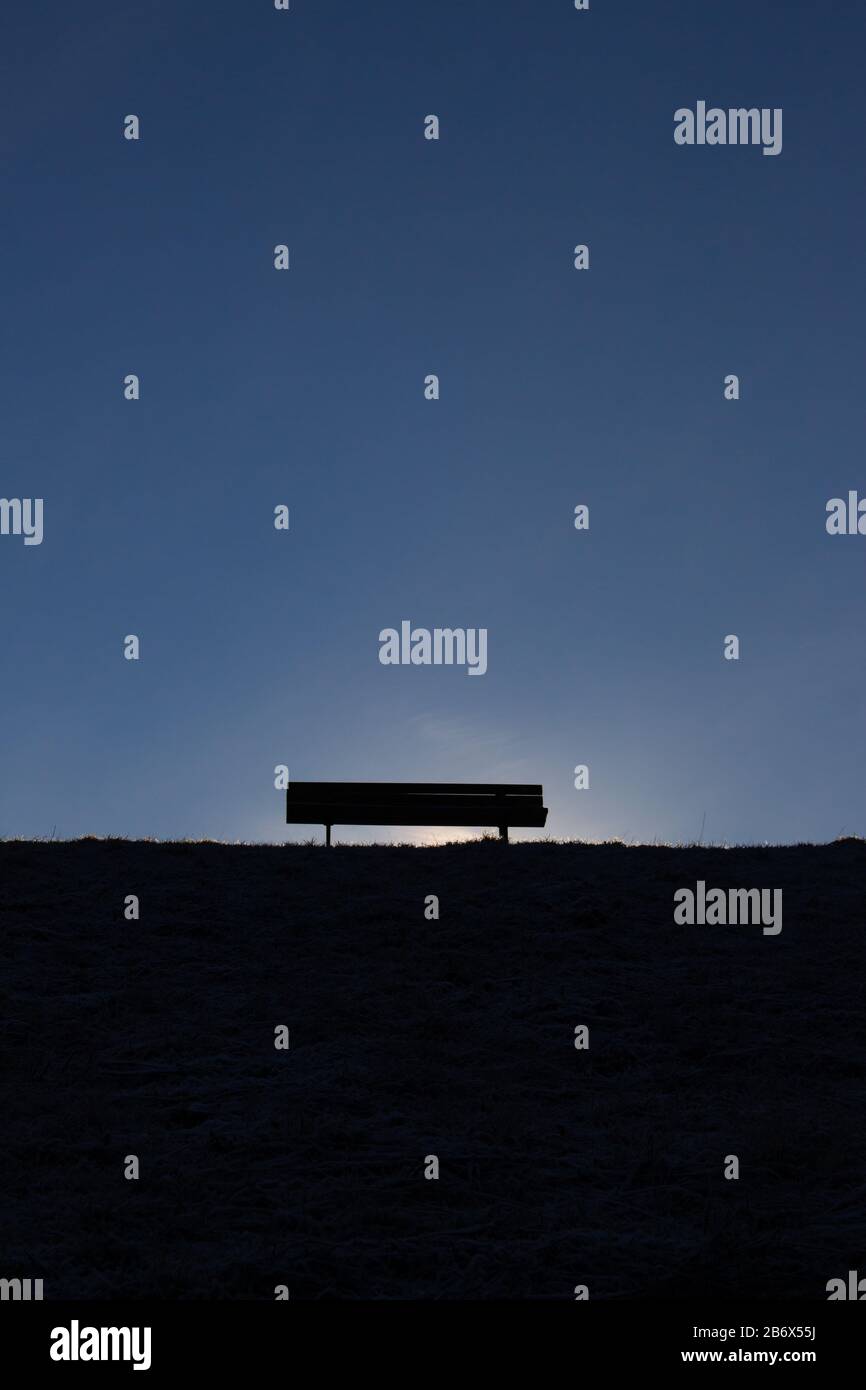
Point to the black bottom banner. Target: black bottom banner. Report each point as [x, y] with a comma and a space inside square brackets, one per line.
[166, 1340]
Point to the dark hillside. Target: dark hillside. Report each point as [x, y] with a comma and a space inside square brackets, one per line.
[412, 1037]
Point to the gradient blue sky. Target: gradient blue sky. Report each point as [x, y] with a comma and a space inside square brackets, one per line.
[306, 387]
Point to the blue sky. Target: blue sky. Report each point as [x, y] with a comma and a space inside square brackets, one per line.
[305, 387]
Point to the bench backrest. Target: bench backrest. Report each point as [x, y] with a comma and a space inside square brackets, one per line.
[415, 803]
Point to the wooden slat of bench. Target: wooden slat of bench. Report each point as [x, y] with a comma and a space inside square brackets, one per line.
[418, 810]
[379, 791]
[487, 806]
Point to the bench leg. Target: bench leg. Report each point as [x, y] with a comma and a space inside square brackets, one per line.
[327, 835]
[503, 834]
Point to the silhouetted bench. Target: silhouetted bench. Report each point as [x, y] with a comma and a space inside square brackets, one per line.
[414, 803]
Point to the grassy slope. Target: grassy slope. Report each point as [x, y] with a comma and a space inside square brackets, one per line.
[410, 1038]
